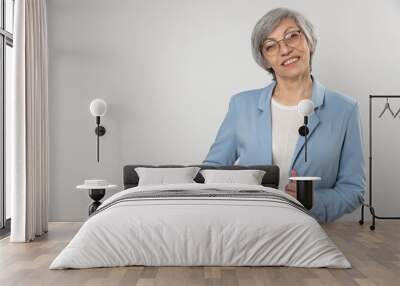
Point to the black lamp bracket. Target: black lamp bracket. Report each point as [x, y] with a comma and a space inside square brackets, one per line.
[100, 130]
[303, 130]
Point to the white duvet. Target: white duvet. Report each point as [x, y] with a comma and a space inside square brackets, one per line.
[200, 231]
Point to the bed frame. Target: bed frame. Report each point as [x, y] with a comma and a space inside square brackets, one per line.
[270, 179]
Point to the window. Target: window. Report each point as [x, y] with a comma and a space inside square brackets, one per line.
[6, 60]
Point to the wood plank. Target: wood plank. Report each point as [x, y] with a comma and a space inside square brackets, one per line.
[375, 258]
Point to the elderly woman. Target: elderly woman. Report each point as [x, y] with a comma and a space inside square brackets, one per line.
[261, 126]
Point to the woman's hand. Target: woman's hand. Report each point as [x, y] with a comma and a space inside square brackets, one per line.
[291, 187]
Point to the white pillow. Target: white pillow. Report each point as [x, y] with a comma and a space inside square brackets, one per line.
[248, 177]
[164, 176]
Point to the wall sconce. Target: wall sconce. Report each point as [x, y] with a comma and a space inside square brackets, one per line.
[305, 108]
[304, 185]
[98, 108]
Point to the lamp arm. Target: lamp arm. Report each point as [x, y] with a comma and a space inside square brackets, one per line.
[98, 141]
[305, 137]
[305, 147]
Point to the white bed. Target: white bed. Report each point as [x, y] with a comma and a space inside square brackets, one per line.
[207, 230]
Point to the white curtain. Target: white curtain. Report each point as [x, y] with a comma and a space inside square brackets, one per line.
[28, 123]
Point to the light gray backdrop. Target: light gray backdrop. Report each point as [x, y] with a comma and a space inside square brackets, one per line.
[168, 68]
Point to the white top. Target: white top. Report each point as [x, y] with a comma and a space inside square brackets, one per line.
[285, 132]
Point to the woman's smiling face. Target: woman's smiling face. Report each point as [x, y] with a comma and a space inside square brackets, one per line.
[290, 57]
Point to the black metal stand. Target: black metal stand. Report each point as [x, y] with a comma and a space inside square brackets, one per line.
[305, 193]
[369, 205]
[96, 195]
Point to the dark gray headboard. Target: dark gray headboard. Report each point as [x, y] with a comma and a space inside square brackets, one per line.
[270, 179]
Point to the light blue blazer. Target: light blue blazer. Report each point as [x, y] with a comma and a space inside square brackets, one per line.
[334, 147]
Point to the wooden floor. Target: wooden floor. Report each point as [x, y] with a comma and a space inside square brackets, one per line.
[374, 255]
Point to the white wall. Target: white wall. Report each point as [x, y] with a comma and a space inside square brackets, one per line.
[168, 68]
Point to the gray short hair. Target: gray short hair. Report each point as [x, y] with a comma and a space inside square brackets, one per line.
[268, 23]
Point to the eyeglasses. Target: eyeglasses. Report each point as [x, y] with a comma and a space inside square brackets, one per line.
[291, 39]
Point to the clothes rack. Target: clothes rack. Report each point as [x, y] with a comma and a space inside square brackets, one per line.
[369, 205]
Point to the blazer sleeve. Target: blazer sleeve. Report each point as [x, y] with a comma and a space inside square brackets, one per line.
[347, 194]
[224, 149]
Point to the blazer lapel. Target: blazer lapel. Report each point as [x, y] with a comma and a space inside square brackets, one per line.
[265, 124]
